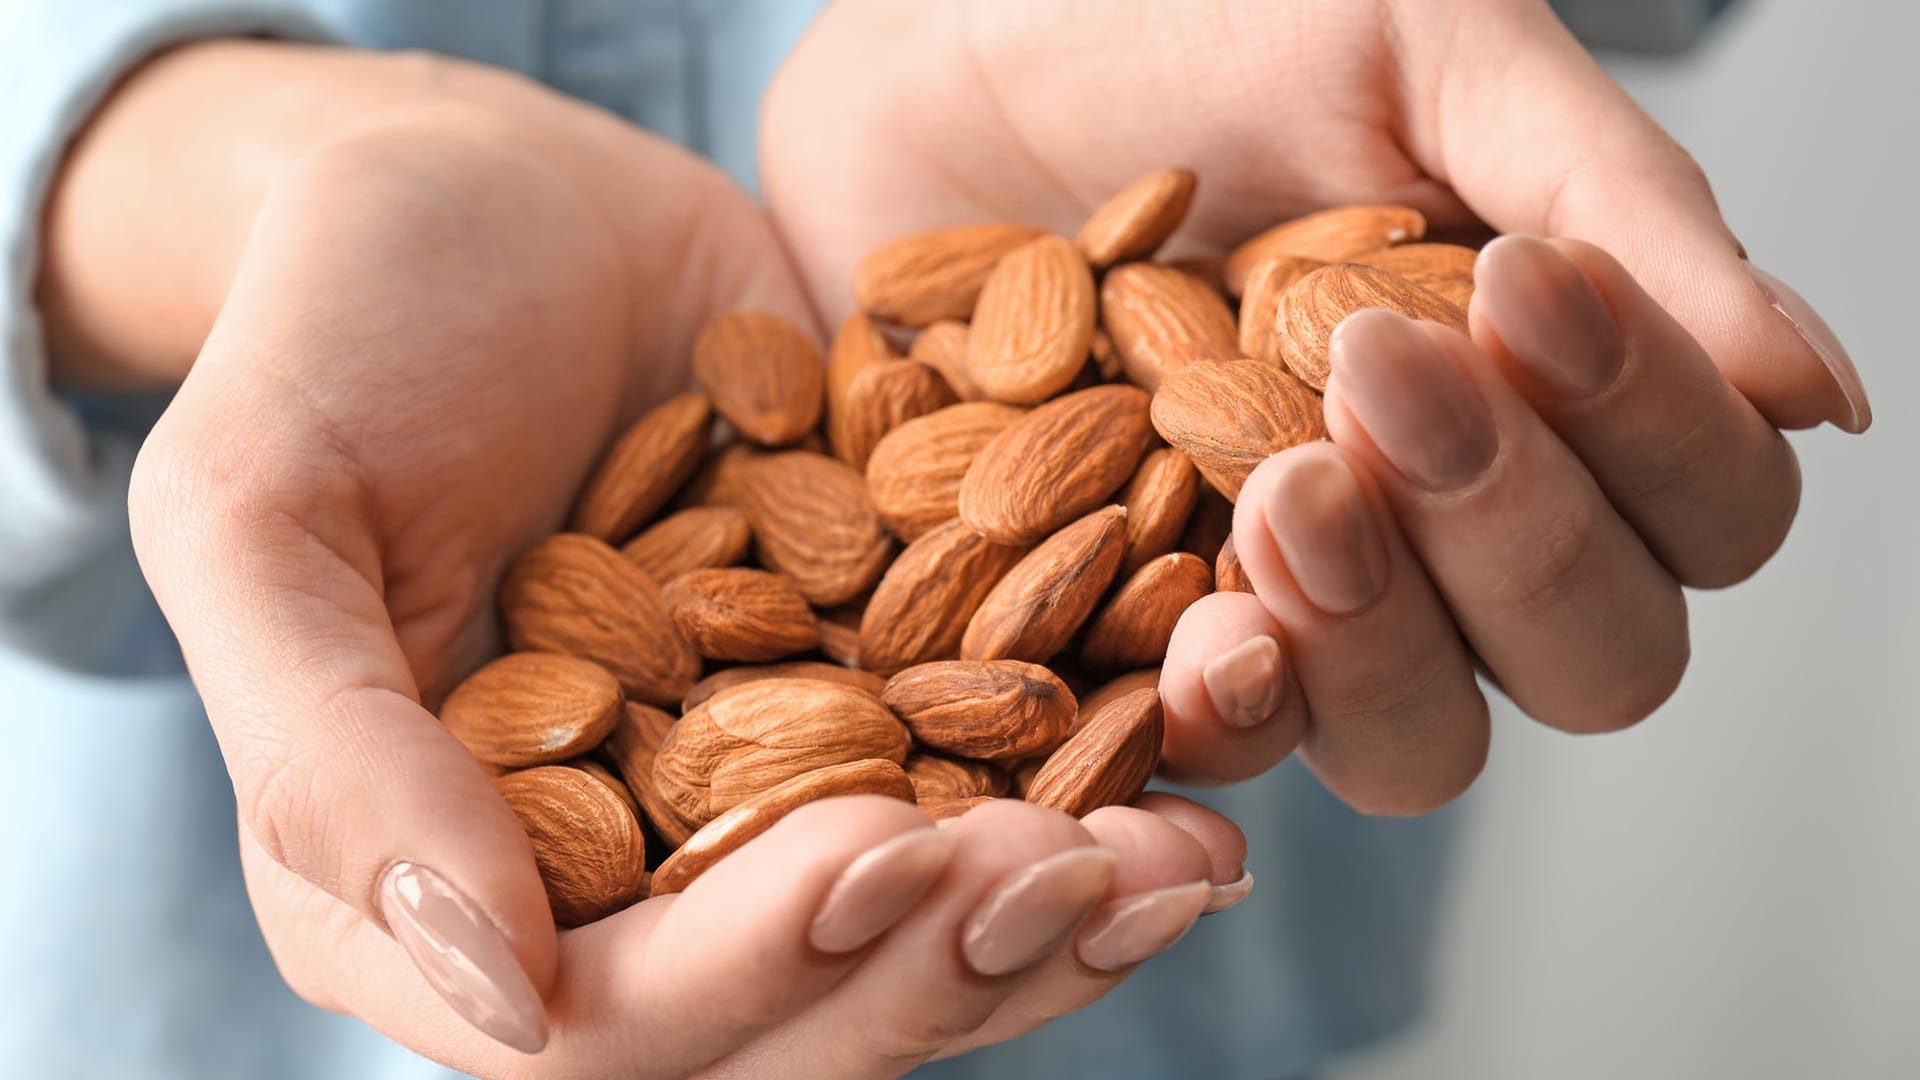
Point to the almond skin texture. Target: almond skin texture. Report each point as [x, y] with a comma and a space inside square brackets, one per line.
[1097, 699]
[1108, 761]
[1330, 236]
[631, 748]
[614, 783]
[747, 739]
[697, 538]
[938, 778]
[943, 347]
[764, 374]
[921, 608]
[1426, 265]
[1149, 310]
[943, 811]
[1033, 324]
[1231, 417]
[992, 710]
[533, 709]
[574, 595]
[1159, 500]
[586, 842]
[717, 483]
[644, 469]
[1136, 221]
[1135, 626]
[1034, 611]
[857, 345]
[1260, 305]
[934, 275]
[914, 474]
[813, 522]
[867, 681]
[1317, 303]
[1228, 574]
[741, 614]
[883, 397]
[730, 831]
[1056, 463]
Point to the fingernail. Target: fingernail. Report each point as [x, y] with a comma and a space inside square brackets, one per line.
[879, 887]
[1549, 315]
[1131, 930]
[1825, 344]
[1244, 682]
[1324, 527]
[1419, 408]
[465, 958]
[1225, 896]
[1029, 915]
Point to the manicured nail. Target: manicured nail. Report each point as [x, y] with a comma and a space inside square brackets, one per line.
[1813, 330]
[1419, 408]
[1030, 914]
[1225, 896]
[879, 887]
[1549, 315]
[1128, 931]
[465, 958]
[1324, 527]
[1244, 682]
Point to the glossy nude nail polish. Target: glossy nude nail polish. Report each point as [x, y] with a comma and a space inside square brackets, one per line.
[878, 888]
[1324, 528]
[1549, 316]
[1225, 896]
[1244, 682]
[464, 957]
[1420, 409]
[1825, 344]
[1131, 930]
[1032, 912]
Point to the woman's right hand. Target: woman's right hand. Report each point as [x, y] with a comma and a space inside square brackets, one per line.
[407, 302]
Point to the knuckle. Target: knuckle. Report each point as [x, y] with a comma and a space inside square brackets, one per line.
[925, 1027]
[1543, 573]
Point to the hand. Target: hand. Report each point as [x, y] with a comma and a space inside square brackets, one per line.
[1529, 502]
[423, 297]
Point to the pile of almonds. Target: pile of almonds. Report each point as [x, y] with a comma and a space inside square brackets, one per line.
[944, 576]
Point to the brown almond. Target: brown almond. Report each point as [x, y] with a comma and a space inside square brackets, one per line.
[1098, 698]
[1317, 303]
[868, 681]
[992, 710]
[614, 783]
[735, 613]
[813, 522]
[644, 468]
[943, 347]
[1210, 527]
[1034, 323]
[764, 374]
[1228, 574]
[1106, 358]
[1330, 236]
[1159, 500]
[939, 778]
[1260, 304]
[533, 709]
[1149, 310]
[586, 842]
[943, 811]
[697, 538]
[914, 474]
[1036, 608]
[1137, 622]
[1211, 269]
[631, 748]
[1108, 761]
[883, 397]
[929, 276]
[747, 739]
[857, 346]
[1136, 221]
[920, 610]
[1055, 464]
[1231, 417]
[730, 831]
[717, 482]
[574, 595]
[840, 635]
[1430, 266]
[1198, 352]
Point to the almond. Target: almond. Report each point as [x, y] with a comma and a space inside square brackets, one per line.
[920, 610]
[533, 709]
[1317, 303]
[717, 483]
[1159, 500]
[943, 347]
[857, 346]
[764, 374]
[585, 841]
[1023, 775]
[1231, 417]
[697, 538]
[813, 522]
[1033, 324]
[1149, 310]
[573, 594]
[914, 474]
[1135, 222]
[1098, 698]
[1107, 762]
[736, 613]
[883, 397]
[1055, 464]
[1426, 265]
[943, 811]
[1034, 611]
[1106, 358]
[1260, 304]
[644, 468]
[631, 748]
[840, 636]
[730, 831]
[747, 739]
[614, 783]
[1228, 574]
[868, 681]
[1135, 626]
[1330, 236]
[1211, 269]
[934, 275]
[938, 778]
[993, 710]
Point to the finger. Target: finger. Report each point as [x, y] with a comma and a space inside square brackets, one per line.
[1396, 723]
[1575, 157]
[1224, 843]
[1233, 708]
[1582, 626]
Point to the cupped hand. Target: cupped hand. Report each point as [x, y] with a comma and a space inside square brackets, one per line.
[1527, 503]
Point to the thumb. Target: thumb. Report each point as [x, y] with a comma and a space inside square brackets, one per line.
[1540, 140]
